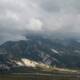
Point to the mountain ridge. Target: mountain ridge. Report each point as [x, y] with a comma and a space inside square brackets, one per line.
[62, 53]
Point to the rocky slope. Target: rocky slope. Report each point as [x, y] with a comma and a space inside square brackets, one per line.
[59, 52]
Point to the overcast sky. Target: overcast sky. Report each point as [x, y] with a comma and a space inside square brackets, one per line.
[19, 16]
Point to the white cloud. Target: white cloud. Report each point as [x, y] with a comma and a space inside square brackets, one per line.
[18, 16]
[35, 25]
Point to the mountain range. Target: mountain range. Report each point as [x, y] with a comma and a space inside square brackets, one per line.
[64, 53]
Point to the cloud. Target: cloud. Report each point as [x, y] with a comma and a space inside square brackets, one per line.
[61, 15]
[35, 25]
[15, 19]
[19, 16]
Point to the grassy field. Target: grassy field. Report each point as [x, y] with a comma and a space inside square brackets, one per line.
[35, 77]
[36, 74]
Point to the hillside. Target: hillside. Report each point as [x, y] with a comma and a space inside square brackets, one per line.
[63, 53]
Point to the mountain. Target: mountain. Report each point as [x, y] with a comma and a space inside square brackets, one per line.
[40, 49]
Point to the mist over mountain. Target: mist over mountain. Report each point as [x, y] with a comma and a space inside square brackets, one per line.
[59, 17]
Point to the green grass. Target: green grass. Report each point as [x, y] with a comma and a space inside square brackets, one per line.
[19, 74]
[30, 77]
[36, 77]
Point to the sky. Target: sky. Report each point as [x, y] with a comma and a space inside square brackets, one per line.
[17, 17]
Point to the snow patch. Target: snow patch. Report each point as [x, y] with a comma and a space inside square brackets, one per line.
[26, 62]
[55, 51]
[19, 63]
[29, 63]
